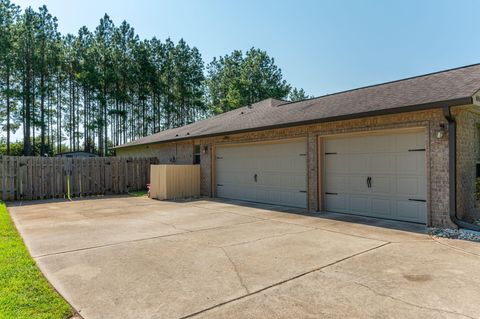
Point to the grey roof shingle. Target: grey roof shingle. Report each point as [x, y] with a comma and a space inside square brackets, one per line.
[451, 87]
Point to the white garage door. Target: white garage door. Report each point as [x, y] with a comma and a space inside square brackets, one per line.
[377, 175]
[273, 173]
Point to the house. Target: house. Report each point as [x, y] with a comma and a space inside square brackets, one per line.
[76, 154]
[404, 150]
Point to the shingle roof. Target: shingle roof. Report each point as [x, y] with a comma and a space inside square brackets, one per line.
[450, 87]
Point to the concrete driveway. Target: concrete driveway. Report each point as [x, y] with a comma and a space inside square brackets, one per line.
[126, 257]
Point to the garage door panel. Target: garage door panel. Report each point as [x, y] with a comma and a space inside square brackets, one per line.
[379, 144]
[360, 204]
[356, 184]
[396, 165]
[337, 203]
[233, 178]
[405, 142]
[422, 187]
[287, 180]
[408, 185]
[382, 207]
[410, 163]
[382, 164]
[280, 170]
[336, 163]
[280, 197]
[411, 211]
[359, 163]
[382, 184]
[336, 183]
[233, 191]
[336, 146]
[420, 157]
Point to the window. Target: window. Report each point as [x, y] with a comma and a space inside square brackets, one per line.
[196, 155]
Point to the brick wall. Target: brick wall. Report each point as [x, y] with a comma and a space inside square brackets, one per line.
[467, 155]
[181, 151]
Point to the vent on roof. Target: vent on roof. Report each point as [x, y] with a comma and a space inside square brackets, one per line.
[188, 133]
[176, 135]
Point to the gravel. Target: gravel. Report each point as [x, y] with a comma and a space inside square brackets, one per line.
[464, 234]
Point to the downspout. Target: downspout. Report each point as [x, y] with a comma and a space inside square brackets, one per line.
[452, 171]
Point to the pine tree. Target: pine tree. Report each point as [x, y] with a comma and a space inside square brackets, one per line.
[8, 17]
[96, 89]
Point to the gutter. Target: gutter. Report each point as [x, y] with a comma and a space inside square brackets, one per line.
[452, 171]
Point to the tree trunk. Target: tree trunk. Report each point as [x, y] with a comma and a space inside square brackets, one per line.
[8, 109]
[42, 115]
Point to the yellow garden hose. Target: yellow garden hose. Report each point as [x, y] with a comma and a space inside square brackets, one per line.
[68, 187]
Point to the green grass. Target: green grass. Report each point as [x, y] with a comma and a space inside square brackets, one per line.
[138, 193]
[24, 292]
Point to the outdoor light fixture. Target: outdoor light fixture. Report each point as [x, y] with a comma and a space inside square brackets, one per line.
[205, 149]
[441, 131]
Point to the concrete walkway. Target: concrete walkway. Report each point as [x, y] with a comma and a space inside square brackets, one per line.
[126, 257]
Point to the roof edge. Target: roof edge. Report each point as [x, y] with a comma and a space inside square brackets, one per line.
[384, 83]
[403, 109]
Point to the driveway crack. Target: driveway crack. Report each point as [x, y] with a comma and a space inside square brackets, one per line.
[269, 237]
[240, 279]
[410, 303]
[453, 247]
[280, 282]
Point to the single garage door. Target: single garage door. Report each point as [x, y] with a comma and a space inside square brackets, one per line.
[273, 173]
[379, 175]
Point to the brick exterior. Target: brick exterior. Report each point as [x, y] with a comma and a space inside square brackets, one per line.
[467, 156]
[436, 155]
[181, 151]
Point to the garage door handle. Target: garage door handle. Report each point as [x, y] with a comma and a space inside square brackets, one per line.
[255, 177]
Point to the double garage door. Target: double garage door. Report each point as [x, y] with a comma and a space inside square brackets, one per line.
[378, 175]
[273, 173]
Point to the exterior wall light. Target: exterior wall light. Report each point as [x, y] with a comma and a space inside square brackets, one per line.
[205, 149]
[441, 131]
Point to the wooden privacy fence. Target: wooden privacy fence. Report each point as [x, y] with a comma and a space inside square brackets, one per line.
[48, 177]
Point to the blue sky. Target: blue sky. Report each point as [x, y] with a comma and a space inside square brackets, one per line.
[322, 46]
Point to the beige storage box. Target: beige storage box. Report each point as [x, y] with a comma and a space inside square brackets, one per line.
[172, 181]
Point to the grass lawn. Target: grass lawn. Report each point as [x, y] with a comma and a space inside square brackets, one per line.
[140, 193]
[24, 292]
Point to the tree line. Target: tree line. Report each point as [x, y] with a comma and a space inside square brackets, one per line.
[105, 87]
